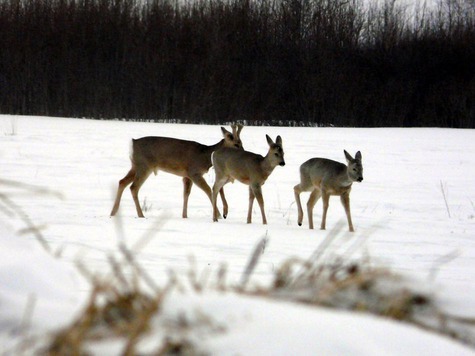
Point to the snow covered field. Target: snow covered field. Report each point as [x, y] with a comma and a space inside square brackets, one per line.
[414, 213]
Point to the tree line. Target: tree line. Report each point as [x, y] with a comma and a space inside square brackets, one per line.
[279, 62]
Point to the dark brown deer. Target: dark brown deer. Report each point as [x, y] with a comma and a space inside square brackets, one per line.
[187, 159]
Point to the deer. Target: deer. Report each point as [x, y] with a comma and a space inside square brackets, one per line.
[323, 178]
[248, 168]
[187, 159]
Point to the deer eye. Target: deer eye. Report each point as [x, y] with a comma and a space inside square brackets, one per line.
[236, 145]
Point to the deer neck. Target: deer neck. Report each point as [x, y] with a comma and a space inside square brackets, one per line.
[346, 182]
[215, 147]
[267, 166]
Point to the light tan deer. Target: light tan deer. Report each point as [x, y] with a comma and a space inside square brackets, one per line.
[187, 159]
[323, 178]
[248, 168]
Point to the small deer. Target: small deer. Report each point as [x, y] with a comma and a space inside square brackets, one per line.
[248, 168]
[187, 159]
[323, 178]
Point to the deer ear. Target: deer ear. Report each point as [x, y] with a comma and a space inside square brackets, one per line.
[226, 133]
[278, 140]
[348, 156]
[358, 156]
[269, 140]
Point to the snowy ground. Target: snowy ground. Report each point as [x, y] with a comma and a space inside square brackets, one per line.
[414, 213]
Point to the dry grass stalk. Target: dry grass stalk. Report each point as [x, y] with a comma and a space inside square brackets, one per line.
[253, 262]
[11, 209]
[357, 286]
[110, 312]
[118, 307]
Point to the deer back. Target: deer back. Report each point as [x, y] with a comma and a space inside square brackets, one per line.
[333, 176]
[244, 166]
[168, 154]
[248, 167]
[180, 157]
[325, 174]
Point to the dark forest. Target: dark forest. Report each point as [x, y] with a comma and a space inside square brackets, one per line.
[266, 62]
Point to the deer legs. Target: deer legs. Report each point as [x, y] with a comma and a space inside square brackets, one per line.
[201, 183]
[140, 177]
[256, 192]
[123, 183]
[312, 200]
[345, 201]
[187, 184]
